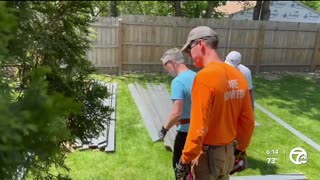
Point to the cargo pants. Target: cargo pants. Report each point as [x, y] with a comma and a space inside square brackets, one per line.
[222, 161]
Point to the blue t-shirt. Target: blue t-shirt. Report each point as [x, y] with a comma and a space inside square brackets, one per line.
[181, 87]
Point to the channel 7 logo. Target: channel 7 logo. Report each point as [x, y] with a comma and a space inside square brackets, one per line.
[298, 156]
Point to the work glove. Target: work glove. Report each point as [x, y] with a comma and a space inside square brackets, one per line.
[162, 133]
[181, 170]
[241, 162]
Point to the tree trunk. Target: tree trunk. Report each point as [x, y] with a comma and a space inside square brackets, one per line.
[177, 8]
[256, 11]
[265, 11]
[210, 9]
[114, 9]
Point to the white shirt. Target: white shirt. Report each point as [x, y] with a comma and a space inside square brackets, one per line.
[247, 73]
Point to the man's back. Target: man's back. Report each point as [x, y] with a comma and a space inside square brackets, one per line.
[228, 97]
[220, 112]
[247, 73]
[181, 89]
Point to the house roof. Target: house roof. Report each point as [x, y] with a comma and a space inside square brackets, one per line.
[232, 7]
[290, 11]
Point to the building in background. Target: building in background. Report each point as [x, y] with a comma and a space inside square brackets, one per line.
[288, 11]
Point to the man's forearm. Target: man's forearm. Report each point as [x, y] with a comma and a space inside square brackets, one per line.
[173, 119]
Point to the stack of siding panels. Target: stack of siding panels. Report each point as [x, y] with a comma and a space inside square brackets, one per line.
[154, 105]
[106, 139]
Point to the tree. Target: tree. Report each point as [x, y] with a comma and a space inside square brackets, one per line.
[209, 9]
[33, 130]
[198, 9]
[100, 8]
[33, 124]
[315, 5]
[261, 11]
[153, 8]
[256, 11]
[177, 8]
[8, 23]
[50, 36]
[57, 101]
[193, 9]
[265, 12]
[114, 8]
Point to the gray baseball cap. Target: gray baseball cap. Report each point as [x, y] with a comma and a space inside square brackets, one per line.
[197, 33]
[172, 54]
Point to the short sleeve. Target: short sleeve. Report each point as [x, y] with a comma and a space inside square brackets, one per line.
[177, 90]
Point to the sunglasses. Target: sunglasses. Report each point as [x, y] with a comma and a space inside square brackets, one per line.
[195, 42]
[192, 45]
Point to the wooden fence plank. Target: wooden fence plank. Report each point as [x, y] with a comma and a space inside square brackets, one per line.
[316, 52]
[259, 43]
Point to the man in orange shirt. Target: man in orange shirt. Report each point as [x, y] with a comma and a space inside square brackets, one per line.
[220, 113]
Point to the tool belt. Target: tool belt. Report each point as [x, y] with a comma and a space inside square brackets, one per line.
[183, 121]
[206, 147]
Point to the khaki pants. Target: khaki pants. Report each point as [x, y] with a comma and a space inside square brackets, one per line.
[223, 160]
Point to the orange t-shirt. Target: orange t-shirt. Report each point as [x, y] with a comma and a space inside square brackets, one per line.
[221, 110]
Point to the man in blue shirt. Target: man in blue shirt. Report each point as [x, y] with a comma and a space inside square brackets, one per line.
[181, 85]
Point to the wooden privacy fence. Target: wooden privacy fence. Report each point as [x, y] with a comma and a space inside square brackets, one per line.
[136, 43]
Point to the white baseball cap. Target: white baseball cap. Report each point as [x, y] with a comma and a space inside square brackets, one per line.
[233, 59]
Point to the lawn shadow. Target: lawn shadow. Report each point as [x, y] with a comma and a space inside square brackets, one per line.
[264, 167]
[298, 94]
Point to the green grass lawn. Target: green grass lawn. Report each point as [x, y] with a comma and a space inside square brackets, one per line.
[295, 99]
[136, 157]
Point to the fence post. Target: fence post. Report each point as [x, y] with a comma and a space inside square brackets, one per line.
[120, 48]
[228, 45]
[258, 52]
[316, 51]
[174, 34]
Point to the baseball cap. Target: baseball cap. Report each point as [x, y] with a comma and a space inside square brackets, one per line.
[233, 58]
[197, 33]
[172, 54]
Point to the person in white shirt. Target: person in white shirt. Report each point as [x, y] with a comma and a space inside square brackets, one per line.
[234, 59]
